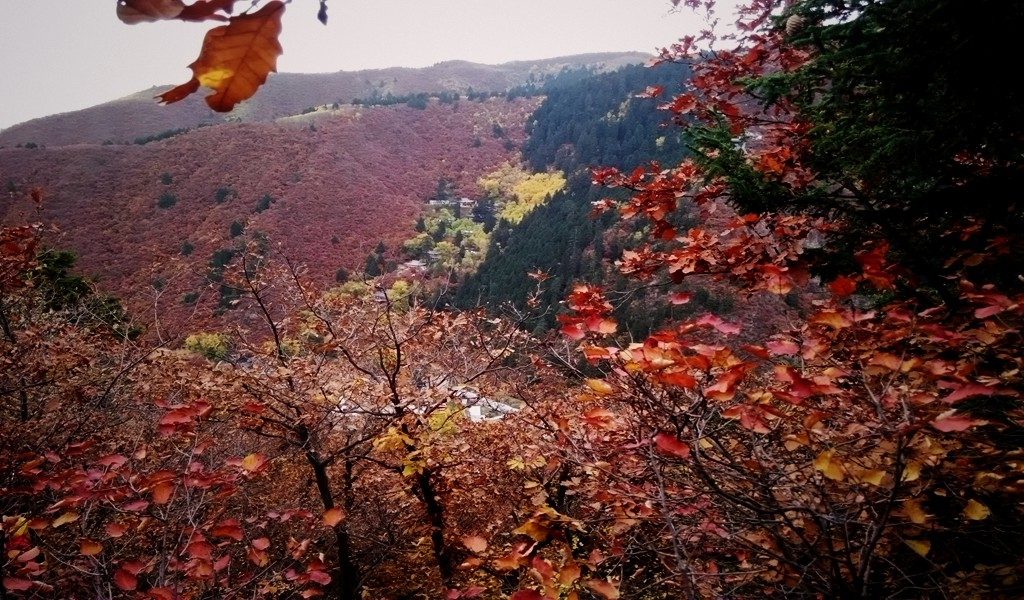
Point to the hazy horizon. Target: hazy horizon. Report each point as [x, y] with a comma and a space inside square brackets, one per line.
[66, 57]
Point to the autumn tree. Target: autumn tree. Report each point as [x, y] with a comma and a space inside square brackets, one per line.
[868, 449]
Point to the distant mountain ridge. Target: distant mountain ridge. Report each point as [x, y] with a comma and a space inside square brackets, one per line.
[138, 115]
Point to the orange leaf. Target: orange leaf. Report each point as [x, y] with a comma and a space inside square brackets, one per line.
[604, 588]
[162, 492]
[569, 574]
[831, 318]
[884, 359]
[913, 511]
[333, 516]
[475, 543]
[236, 59]
[90, 548]
[601, 325]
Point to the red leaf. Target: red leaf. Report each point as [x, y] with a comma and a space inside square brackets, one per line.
[125, 580]
[724, 388]
[842, 287]
[116, 529]
[679, 378]
[969, 390]
[670, 444]
[782, 347]
[526, 595]
[228, 528]
[574, 332]
[261, 543]
[988, 311]
[680, 297]
[951, 421]
[17, 584]
[138, 505]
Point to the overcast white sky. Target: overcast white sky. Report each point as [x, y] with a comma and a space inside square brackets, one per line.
[63, 55]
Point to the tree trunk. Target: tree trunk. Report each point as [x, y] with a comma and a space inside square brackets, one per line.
[435, 514]
[344, 574]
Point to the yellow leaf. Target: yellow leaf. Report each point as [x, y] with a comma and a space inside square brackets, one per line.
[912, 471]
[533, 529]
[253, 462]
[976, 511]
[871, 476]
[236, 59]
[922, 547]
[600, 386]
[912, 509]
[829, 467]
[68, 517]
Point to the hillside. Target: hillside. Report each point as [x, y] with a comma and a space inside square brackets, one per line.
[327, 187]
[137, 116]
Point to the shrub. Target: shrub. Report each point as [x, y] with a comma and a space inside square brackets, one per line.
[223, 194]
[263, 204]
[166, 200]
[213, 346]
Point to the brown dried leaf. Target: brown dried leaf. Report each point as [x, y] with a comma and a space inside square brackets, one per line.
[148, 11]
[236, 59]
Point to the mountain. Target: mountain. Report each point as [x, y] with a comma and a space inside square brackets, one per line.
[139, 116]
[299, 166]
[326, 187]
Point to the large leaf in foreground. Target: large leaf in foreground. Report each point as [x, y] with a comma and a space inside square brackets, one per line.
[235, 60]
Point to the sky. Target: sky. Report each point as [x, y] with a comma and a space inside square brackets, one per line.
[63, 55]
